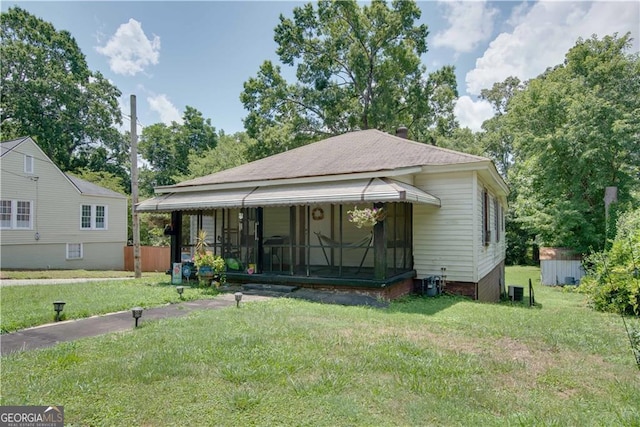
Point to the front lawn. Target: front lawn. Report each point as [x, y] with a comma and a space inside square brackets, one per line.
[25, 306]
[422, 361]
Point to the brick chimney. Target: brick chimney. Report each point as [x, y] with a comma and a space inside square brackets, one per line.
[402, 132]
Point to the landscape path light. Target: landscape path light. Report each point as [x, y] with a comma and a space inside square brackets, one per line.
[180, 290]
[137, 313]
[238, 296]
[58, 306]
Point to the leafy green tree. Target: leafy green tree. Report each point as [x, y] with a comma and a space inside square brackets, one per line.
[575, 131]
[357, 67]
[497, 138]
[167, 148]
[49, 93]
[230, 151]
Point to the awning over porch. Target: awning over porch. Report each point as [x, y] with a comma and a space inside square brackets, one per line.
[340, 192]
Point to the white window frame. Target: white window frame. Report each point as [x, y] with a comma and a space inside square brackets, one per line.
[93, 217]
[14, 215]
[10, 213]
[68, 252]
[28, 164]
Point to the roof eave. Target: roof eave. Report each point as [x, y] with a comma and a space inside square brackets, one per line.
[298, 180]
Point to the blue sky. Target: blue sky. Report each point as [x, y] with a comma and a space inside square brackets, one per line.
[174, 54]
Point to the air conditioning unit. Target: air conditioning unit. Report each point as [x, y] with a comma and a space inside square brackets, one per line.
[516, 293]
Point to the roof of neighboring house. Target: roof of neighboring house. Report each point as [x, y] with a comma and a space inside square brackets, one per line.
[355, 152]
[7, 146]
[84, 187]
[91, 189]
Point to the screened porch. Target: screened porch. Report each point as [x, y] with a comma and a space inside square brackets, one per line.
[304, 241]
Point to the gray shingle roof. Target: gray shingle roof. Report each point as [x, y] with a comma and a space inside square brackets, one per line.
[91, 189]
[7, 146]
[355, 152]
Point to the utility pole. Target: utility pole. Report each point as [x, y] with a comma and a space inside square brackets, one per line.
[134, 189]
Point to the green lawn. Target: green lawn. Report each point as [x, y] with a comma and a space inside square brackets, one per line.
[25, 306]
[423, 361]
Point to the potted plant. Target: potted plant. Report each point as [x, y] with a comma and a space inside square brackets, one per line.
[210, 267]
[367, 217]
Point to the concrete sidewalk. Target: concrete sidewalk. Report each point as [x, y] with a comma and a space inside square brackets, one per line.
[53, 333]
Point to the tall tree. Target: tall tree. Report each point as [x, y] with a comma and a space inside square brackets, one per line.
[497, 138]
[576, 130]
[357, 67]
[49, 93]
[230, 151]
[167, 148]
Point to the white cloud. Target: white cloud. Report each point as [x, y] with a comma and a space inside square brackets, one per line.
[472, 113]
[470, 22]
[129, 50]
[166, 110]
[543, 35]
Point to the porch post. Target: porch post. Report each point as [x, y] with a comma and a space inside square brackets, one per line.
[380, 247]
[176, 237]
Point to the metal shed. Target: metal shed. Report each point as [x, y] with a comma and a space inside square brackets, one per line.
[560, 266]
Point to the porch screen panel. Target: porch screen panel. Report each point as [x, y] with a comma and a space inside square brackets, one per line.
[398, 223]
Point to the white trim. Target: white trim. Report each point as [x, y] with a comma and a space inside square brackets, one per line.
[81, 251]
[93, 208]
[14, 215]
[28, 164]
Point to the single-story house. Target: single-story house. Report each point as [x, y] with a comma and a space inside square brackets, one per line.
[50, 219]
[288, 218]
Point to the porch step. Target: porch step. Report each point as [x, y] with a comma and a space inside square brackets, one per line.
[260, 287]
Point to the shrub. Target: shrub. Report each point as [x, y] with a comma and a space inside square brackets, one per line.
[613, 279]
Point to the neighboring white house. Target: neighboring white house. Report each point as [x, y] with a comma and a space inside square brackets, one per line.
[285, 218]
[49, 219]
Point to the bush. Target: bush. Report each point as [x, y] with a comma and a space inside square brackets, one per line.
[613, 279]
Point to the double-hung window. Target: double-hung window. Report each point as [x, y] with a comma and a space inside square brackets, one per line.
[93, 217]
[16, 214]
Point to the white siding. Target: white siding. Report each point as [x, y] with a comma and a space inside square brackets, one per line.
[451, 236]
[56, 217]
[443, 237]
[488, 256]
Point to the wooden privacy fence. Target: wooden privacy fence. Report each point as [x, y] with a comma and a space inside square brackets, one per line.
[153, 258]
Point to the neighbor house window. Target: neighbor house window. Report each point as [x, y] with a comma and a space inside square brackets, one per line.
[28, 163]
[5, 213]
[85, 219]
[74, 250]
[93, 217]
[16, 214]
[101, 216]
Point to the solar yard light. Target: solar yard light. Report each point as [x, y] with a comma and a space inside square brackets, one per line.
[58, 306]
[180, 290]
[137, 313]
[238, 296]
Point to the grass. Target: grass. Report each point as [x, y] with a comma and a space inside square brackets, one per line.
[423, 361]
[26, 306]
[71, 274]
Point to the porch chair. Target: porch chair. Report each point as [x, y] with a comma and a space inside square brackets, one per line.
[366, 240]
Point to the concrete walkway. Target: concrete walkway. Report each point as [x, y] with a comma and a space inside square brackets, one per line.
[50, 334]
